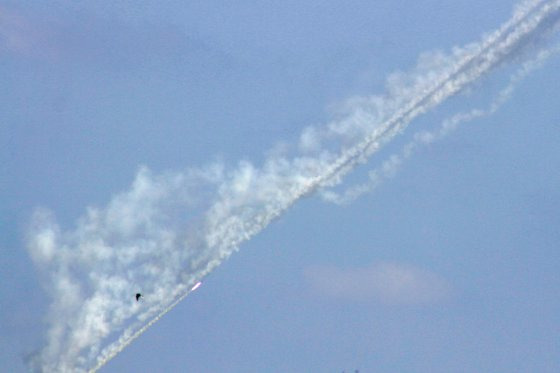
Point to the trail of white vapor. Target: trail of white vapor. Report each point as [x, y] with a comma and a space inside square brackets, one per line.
[127, 339]
[391, 165]
[143, 240]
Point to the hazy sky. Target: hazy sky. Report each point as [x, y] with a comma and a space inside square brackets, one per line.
[450, 265]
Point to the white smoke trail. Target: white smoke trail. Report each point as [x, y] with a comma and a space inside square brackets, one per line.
[126, 339]
[141, 240]
[473, 63]
[390, 166]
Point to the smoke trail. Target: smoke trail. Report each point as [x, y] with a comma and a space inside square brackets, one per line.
[142, 239]
[127, 339]
[470, 67]
[390, 166]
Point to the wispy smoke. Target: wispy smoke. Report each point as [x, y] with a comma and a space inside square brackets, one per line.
[169, 231]
[391, 165]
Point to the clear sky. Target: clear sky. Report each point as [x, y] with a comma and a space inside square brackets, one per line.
[450, 265]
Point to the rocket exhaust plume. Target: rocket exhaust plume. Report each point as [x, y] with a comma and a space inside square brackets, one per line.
[196, 286]
[143, 240]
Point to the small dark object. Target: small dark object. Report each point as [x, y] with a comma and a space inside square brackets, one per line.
[138, 296]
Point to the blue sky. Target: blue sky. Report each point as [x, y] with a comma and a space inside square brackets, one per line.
[449, 265]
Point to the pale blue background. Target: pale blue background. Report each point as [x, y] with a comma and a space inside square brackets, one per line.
[100, 89]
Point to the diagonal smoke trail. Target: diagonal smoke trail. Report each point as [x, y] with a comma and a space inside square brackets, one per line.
[491, 52]
[473, 65]
[390, 166]
[126, 340]
[138, 241]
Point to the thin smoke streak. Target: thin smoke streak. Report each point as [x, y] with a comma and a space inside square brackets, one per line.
[124, 342]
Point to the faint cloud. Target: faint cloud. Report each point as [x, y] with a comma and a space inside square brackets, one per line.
[20, 35]
[385, 282]
[86, 39]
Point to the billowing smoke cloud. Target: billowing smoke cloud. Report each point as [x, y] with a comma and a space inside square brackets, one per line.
[144, 240]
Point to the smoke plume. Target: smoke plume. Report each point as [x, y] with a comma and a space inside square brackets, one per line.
[168, 231]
